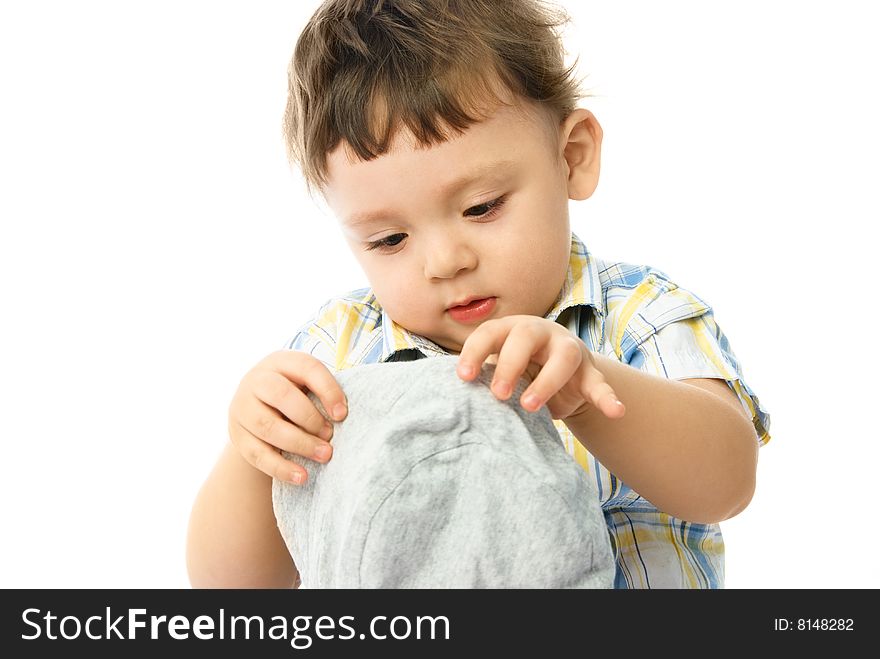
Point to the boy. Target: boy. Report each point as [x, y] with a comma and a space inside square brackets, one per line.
[445, 137]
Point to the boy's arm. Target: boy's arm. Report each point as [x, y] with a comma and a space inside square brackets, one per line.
[233, 539]
[686, 448]
[690, 451]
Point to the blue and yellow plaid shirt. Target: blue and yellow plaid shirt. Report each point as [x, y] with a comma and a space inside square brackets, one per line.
[633, 313]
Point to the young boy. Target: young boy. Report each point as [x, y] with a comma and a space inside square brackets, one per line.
[446, 138]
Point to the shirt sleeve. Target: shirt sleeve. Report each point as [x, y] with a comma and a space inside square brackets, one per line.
[673, 334]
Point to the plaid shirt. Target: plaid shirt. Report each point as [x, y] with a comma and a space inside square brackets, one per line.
[632, 313]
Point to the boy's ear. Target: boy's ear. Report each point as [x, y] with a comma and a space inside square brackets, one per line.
[581, 141]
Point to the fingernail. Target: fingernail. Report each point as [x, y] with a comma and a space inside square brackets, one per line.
[326, 432]
[465, 370]
[322, 452]
[296, 477]
[531, 402]
[338, 411]
[502, 389]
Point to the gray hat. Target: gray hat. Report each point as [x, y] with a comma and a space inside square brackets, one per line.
[434, 483]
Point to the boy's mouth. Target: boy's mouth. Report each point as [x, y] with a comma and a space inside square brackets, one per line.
[472, 310]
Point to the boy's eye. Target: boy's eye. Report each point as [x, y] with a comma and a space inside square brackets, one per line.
[387, 243]
[485, 210]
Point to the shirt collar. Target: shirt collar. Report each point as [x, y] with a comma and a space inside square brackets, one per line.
[396, 338]
[582, 287]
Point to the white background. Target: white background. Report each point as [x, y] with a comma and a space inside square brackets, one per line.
[155, 245]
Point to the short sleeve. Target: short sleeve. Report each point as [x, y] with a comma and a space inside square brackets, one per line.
[697, 348]
[317, 338]
[345, 331]
[672, 333]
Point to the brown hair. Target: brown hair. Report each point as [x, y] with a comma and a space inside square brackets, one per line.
[361, 69]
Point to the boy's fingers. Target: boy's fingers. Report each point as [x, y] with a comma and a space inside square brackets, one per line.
[486, 340]
[514, 358]
[277, 391]
[268, 426]
[600, 395]
[263, 457]
[305, 370]
[563, 362]
[612, 407]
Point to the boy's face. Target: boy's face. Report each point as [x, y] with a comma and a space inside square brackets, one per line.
[481, 217]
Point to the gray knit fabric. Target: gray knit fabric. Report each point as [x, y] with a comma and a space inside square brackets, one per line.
[434, 483]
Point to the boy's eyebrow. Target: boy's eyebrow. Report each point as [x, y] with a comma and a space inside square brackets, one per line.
[484, 170]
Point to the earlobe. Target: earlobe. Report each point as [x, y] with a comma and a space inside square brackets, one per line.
[582, 143]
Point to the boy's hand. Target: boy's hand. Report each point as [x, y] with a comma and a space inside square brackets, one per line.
[270, 411]
[565, 377]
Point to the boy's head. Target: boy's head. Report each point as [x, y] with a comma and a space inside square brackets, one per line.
[444, 136]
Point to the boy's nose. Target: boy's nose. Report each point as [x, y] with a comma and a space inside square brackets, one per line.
[446, 258]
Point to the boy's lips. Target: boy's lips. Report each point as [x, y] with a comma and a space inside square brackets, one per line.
[472, 309]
